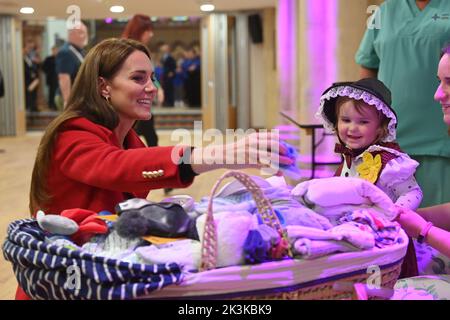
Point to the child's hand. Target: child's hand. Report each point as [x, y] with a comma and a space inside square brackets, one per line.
[410, 221]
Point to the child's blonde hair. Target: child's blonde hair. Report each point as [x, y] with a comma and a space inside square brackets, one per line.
[359, 106]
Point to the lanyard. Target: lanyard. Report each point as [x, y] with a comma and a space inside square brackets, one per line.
[28, 61]
[76, 53]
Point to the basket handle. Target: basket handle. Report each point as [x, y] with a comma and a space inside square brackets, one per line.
[265, 210]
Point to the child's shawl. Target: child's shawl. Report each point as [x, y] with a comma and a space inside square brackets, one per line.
[350, 154]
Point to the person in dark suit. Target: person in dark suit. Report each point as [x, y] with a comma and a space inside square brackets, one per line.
[169, 68]
[31, 73]
[51, 77]
[192, 73]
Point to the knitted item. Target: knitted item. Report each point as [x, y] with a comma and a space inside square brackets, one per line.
[88, 222]
[159, 219]
[291, 171]
[56, 224]
[260, 240]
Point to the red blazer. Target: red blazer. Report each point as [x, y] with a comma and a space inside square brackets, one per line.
[90, 170]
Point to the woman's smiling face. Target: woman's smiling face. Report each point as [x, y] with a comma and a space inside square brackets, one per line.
[131, 89]
[442, 94]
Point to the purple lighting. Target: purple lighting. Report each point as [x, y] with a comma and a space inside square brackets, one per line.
[322, 36]
[287, 55]
[108, 20]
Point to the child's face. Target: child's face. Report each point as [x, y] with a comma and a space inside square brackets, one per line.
[442, 94]
[358, 130]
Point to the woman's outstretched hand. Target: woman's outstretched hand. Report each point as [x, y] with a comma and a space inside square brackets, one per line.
[257, 150]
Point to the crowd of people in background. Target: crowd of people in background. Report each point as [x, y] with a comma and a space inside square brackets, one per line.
[177, 68]
[178, 71]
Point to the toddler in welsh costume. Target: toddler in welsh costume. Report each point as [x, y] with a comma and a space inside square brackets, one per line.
[359, 113]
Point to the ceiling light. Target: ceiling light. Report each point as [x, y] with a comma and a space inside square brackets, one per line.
[207, 7]
[27, 10]
[117, 9]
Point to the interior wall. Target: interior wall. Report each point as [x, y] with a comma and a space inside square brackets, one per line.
[329, 34]
[263, 75]
[288, 57]
[271, 85]
[257, 86]
[208, 81]
[352, 23]
[12, 105]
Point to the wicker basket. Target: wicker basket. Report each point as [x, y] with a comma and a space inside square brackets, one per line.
[42, 269]
[324, 290]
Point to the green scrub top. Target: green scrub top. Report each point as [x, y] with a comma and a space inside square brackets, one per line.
[406, 51]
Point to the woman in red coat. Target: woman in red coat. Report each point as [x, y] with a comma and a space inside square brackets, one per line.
[90, 158]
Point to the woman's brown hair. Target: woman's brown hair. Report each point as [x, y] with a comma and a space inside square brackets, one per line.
[85, 100]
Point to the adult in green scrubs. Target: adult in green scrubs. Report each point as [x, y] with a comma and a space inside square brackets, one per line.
[402, 47]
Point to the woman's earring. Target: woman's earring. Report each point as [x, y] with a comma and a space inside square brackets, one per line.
[108, 99]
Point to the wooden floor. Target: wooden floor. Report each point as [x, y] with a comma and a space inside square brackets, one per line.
[16, 163]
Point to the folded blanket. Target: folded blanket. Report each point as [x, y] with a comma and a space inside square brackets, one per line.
[349, 233]
[384, 231]
[113, 246]
[312, 249]
[329, 192]
[186, 253]
[296, 214]
[296, 232]
[335, 213]
[356, 236]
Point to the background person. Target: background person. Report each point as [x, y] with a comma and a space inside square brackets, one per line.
[68, 61]
[169, 66]
[417, 224]
[31, 63]
[403, 52]
[49, 68]
[140, 28]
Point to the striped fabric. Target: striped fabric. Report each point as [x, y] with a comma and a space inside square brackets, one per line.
[48, 271]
